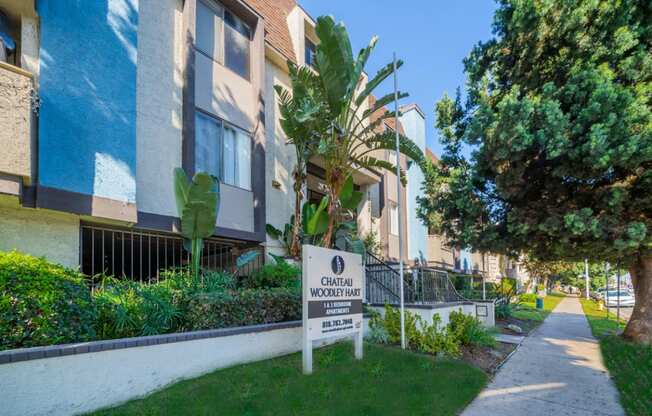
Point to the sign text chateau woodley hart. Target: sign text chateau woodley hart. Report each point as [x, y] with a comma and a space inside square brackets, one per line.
[332, 298]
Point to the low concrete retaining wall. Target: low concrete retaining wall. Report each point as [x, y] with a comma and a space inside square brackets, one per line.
[78, 378]
[483, 310]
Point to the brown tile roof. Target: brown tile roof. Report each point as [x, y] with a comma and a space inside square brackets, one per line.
[389, 122]
[277, 33]
[431, 156]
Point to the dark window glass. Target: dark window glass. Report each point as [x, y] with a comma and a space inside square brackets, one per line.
[237, 39]
[310, 52]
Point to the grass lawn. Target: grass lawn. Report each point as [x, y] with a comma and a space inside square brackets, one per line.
[527, 310]
[630, 365]
[387, 381]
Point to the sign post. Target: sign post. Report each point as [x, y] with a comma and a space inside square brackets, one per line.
[332, 298]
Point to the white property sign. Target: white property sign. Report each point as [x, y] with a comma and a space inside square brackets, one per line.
[332, 298]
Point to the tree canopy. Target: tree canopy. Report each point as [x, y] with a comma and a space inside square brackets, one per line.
[558, 114]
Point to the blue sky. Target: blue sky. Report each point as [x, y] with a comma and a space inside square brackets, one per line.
[431, 36]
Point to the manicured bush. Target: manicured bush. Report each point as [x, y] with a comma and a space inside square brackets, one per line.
[280, 274]
[245, 307]
[42, 303]
[528, 298]
[419, 335]
[469, 330]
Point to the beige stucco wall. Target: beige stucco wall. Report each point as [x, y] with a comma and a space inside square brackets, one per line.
[15, 122]
[158, 104]
[38, 232]
[280, 158]
[439, 255]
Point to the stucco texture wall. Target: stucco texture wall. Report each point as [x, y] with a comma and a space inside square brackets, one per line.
[159, 103]
[280, 158]
[39, 232]
[87, 130]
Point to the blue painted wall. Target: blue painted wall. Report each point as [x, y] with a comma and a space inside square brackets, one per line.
[87, 122]
[415, 128]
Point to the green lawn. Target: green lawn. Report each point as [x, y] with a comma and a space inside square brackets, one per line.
[388, 381]
[630, 365]
[528, 311]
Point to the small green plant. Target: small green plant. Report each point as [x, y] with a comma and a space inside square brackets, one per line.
[378, 335]
[371, 243]
[377, 370]
[504, 310]
[420, 335]
[129, 309]
[469, 330]
[528, 298]
[197, 206]
[280, 274]
[437, 340]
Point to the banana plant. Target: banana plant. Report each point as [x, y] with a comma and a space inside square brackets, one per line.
[197, 205]
[284, 236]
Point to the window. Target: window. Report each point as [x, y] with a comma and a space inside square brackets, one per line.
[223, 37]
[310, 53]
[393, 219]
[223, 151]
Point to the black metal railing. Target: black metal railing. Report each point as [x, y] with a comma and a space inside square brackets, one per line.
[421, 285]
[142, 255]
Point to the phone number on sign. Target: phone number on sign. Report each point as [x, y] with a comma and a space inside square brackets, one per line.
[336, 325]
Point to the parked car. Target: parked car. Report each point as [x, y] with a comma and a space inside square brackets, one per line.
[612, 297]
[599, 294]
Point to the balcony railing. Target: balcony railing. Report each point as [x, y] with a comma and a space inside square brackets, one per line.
[17, 124]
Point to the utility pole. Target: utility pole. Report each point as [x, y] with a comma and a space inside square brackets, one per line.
[618, 294]
[398, 204]
[586, 278]
[606, 292]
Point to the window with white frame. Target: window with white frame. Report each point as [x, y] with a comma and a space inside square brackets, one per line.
[223, 37]
[223, 151]
[393, 219]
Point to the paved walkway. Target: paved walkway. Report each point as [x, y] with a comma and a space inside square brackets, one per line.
[557, 371]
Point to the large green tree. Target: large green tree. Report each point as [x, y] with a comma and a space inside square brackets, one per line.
[558, 114]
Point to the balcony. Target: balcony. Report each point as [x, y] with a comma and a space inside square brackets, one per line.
[17, 129]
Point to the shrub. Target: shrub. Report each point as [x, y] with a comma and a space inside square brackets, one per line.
[280, 274]
[419, 334]
[436, 340]
[503, 310]
[42, 303]
[469, 330]
[245, 307]
[378, 335]
[528, 298]
[128, 309]
[208, 281]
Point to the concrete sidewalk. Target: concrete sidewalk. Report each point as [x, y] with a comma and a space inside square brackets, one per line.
[557, 371]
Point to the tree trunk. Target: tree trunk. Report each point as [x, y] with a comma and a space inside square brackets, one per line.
[639, 328]
[332, 217]
[295, 247]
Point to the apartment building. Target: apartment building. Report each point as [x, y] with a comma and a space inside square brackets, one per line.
[101, 100]
[127, 91]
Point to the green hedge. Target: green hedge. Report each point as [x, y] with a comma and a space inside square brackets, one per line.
[42, 303]
[246, 307]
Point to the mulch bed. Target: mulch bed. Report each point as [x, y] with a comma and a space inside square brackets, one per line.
[488, 359]
[526, 325]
